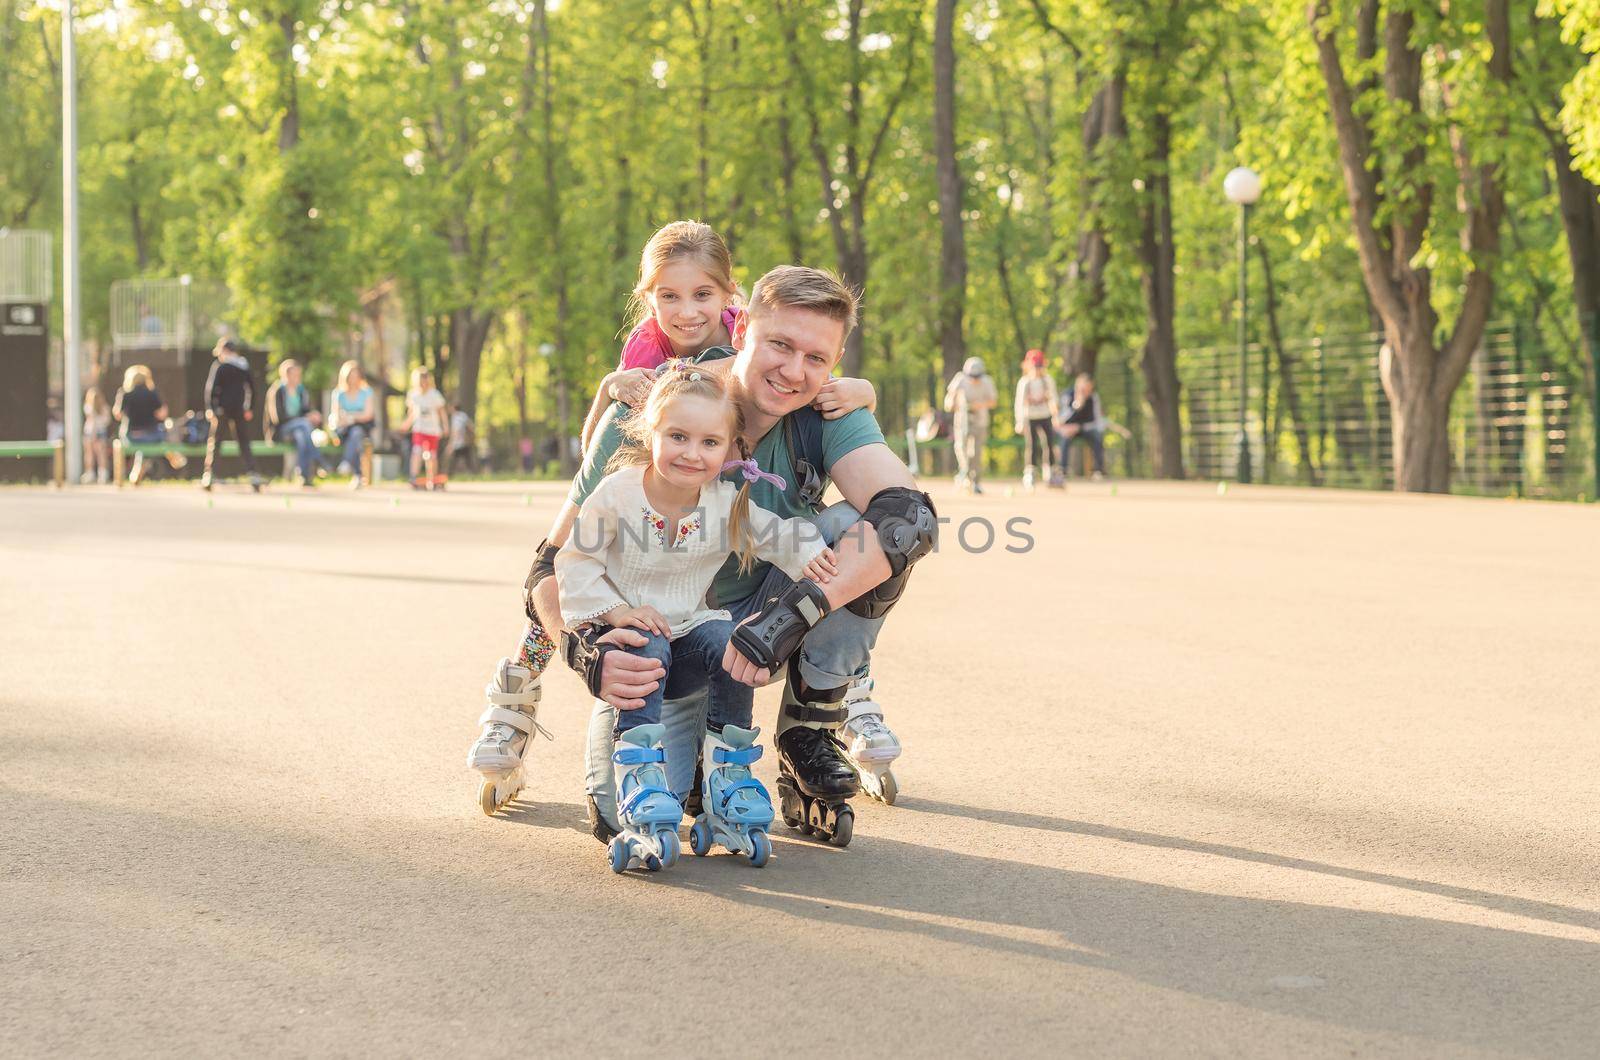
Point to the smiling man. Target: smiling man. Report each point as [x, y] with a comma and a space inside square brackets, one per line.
[818, 638]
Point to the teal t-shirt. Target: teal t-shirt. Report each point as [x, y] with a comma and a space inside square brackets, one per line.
[839, 437]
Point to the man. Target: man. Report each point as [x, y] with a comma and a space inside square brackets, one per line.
[1084, 418]
[820, 639]
[230, 393]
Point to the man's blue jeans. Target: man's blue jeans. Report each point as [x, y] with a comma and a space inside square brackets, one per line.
[832, 654]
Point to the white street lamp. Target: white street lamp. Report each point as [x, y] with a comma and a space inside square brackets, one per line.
[1242, 186]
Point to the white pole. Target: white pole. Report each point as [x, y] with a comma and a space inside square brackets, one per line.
[72, 386]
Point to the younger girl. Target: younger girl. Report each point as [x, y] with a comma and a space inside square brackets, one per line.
[685, 303]
[1036, 408]
[646, 547]
[425, 421]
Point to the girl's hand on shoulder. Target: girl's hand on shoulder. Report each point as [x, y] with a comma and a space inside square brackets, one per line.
[824, 568]
[643, 617]
[632, 386]
[840, 397]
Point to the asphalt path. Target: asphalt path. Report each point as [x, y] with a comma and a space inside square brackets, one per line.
[1275, 772]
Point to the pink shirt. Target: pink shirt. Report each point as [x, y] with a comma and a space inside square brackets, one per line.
[647, 346]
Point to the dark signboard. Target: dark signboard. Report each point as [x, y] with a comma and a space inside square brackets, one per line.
[24, 370]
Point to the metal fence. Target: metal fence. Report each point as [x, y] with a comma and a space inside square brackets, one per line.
[1522, 423]
[25, 266]
[176, 314]
[1525, 421]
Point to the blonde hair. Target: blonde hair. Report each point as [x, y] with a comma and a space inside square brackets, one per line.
[137, 374]
[418, 374]
[801, 287]
[285, 366]
[345, 371]
[679, 241]
[684, 380]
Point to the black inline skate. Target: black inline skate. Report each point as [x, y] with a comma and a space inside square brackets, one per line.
[815, 784]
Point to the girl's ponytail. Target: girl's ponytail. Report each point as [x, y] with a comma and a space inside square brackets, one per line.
[739, 521]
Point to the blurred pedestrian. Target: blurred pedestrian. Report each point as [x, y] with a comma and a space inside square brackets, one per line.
[96, 437]
[230, 395]
[291, 419]
[142, 412]
[1036, 408]
[970, 398]
[425, 421]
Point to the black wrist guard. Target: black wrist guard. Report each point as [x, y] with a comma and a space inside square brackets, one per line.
[544, 566]
[585, 656]
[772, 634]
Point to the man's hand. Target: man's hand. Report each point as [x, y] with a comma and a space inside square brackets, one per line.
[742, 669]
[1070, 429]
[625, 678]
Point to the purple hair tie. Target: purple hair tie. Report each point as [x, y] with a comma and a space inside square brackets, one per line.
[752, 473]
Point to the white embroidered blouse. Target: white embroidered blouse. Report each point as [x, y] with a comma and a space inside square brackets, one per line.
[618, 553]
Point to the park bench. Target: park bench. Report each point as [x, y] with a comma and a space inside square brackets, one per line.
[56, 451]
[121, 449]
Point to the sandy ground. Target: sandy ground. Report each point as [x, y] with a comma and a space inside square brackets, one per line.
[1271, 773]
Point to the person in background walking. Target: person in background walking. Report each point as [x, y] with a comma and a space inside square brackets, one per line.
[291, 419]
[1036, 407]
[353, 416]
[463, 442]
[230, 393]
[970, 398]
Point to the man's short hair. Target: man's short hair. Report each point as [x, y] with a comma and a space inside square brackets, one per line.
[800, 287]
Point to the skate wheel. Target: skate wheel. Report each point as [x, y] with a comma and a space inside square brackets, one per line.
[700, 839]
[486, 799]
[891, 789]
[844, 827]
[652, 863]
[619, 854]
[817, 818]
[671, 848]
[761, 848]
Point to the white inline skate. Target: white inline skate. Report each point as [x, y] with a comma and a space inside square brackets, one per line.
[646, 808]
[1027, 478]
[870, 746]
[508, 721]
[737, 808]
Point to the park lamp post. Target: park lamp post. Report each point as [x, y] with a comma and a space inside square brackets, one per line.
[1243, 186]
[71, 307]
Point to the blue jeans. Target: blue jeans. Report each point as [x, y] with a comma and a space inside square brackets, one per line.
[1097, 446]
[831, 655]
[297, 432]
[694, 667]
[355, 436]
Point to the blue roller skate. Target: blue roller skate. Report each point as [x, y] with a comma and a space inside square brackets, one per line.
[646, 808]
[737, 808]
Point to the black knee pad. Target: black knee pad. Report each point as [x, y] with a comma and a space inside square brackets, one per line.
[544, 566]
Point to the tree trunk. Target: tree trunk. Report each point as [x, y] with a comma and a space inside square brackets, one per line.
[1157, 254]
[1286, 380]
[469, 332]
[558, 257]
[793, 237]
[1580, 216]
[952, 236]
[1104, 132]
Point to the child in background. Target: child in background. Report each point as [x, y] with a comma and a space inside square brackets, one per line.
[685, 303]
[646, 547]
[425, 420]
[1036, 408]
